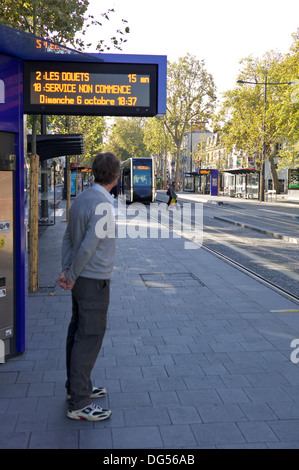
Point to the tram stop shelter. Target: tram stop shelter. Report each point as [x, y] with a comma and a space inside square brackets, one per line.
[241, 182]
[41, 77]
[204, 181]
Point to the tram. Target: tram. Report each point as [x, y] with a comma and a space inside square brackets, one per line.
[138, 180]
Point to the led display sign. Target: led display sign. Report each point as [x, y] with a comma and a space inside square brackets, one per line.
[102, 89]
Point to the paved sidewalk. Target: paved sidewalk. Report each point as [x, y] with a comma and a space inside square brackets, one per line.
[196, 355]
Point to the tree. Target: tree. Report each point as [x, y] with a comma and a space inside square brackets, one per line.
[287, 108]
[126, 138]
[159, 143]
[250, 116]
[92, 128]
[190, 97]
[61, 21]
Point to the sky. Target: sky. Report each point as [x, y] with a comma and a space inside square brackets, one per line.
[221, 32]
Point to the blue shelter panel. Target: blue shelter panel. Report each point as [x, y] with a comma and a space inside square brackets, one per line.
[214, 182]
[12, 150]
[10, 93]
[27, 46]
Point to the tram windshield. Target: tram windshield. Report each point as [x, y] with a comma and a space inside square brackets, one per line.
[141, 175]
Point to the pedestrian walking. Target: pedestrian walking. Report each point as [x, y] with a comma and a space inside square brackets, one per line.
[172, 196]
[88, 254]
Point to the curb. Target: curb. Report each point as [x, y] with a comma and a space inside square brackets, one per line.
[257, 229]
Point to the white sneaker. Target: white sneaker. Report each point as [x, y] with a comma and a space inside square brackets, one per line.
[97, 392]
[90, 413]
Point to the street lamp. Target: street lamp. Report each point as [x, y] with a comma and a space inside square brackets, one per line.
[262, 174]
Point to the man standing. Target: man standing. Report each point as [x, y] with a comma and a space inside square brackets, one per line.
[88, 253]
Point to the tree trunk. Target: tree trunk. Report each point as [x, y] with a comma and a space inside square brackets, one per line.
[274, 174]
[262, 182]
[177, 167]
[68, 189]
[165, 169]
[33, 283]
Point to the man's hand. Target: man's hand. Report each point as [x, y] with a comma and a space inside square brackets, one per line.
[63, 281]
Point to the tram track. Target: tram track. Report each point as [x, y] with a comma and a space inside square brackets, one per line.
[252, 274]
[248, 271]
[261, 262]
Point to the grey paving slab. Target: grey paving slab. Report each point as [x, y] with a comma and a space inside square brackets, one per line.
[286, 430]
[262, 411]
[186, 365]
[54, 440]
[90, 439]
[14, 440]
[221, 413]
[178, 435]
[137, 437]
[147, 416]
[217, 434]
[184, 415]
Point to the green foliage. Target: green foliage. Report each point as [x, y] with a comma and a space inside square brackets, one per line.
[246, 121]
[60, 21]
[190, 97]
[159, 143]
[156, 137]
[126, 138]
[92, 129]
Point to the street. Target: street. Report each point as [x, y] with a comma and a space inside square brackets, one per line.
[263, 238]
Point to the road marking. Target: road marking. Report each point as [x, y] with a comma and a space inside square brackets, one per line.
[284, 311]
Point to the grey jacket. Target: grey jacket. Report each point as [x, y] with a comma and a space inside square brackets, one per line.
[88, 246]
